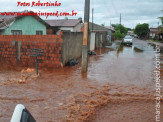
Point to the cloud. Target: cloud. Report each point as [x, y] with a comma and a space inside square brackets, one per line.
[105, 11]
[135, 11]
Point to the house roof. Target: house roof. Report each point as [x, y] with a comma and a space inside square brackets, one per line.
[153, 29]
[5, 17]
[6, 21]
[64, 22]
[97, 27]
[110, 28]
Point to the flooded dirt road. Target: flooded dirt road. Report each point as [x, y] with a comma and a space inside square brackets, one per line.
[119, 87]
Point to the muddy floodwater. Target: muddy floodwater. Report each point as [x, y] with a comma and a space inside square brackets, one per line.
[119, 87]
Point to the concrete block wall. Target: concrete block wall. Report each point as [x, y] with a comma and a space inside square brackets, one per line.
[14, 50]
[100, 40]
[72, 46]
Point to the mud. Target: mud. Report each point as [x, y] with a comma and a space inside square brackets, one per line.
[83, 107]
[118, 87]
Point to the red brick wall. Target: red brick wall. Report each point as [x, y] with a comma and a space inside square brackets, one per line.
[49, 31]
[51, 44]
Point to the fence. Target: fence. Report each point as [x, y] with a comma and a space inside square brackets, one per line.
[14, 50]
[72, 46]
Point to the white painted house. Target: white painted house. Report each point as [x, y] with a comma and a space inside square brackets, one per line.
[153, 32]
[71, 25]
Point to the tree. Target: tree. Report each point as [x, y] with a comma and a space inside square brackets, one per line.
[161, 18]
[102, 25]
[142, 30]
[120, 31]
[121, 28]
[113, 25]
[160, 28]
[128, 29]
[118, 34]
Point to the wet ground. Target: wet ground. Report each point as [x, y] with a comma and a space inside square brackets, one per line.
[119, 87]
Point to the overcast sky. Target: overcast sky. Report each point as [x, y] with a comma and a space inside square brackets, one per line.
[106, 11]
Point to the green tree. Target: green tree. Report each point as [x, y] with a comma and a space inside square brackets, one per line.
[102, 25]
[118, 34]
[161, 19]
[121, 28]
[160, 28]
[113, 25]
[120, 31]
[128, 29]
[142, 30]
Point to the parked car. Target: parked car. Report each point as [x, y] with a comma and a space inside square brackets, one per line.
[136, 36]
[127, 40]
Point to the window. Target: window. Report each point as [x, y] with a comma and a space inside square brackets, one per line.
[16, 32]
[39, 32]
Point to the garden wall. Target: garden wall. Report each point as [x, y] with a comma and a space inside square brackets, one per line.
[14, 50]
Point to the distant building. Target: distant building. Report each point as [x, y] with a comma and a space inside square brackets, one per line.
[131, 33]
[153, 32]
[100, 36]
[110, 31]
[22, 25]
[66, 25]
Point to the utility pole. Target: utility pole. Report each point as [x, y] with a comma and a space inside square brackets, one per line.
[92, 18]
[85, 37]
[120, 18]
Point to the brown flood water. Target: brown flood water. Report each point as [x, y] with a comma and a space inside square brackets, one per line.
[119, 87]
